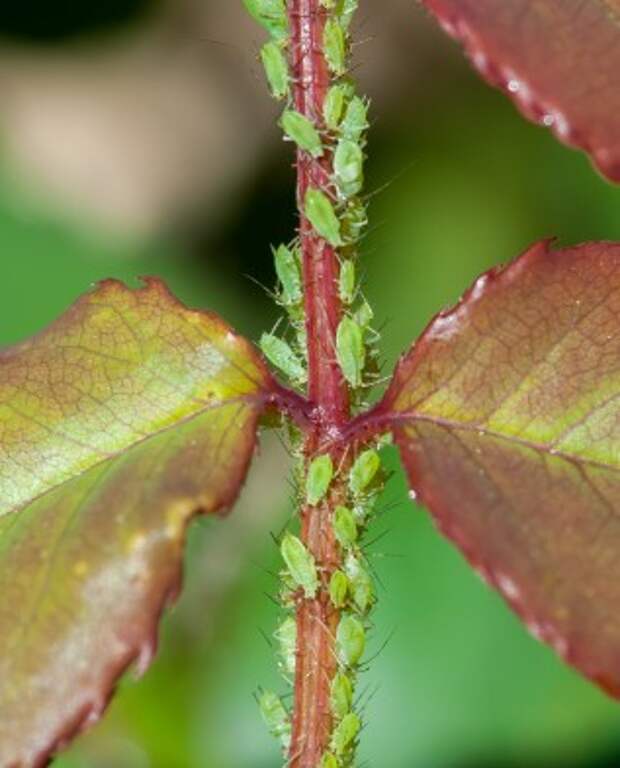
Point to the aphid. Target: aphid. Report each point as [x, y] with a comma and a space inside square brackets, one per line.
[350, 351]
[345, 733]
[286, 635]
[333, 106]
[270, 14]
[364, 471]
[276, 69]
[300, 130]
[279, 353]
[320, 474]
[300, 563]
[340, 695]
[346, 282]
[275, 716]
[354, 219]
[360, 584]
[338, 588]
[345, 526]
[335, 47]
[320, 213]
[349, 167]
[355, 120]
[364, 315]
[329, 761]
[350, 640]
[347, 9]
[289, 275]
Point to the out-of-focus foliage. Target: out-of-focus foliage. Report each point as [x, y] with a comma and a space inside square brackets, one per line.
[459, 682]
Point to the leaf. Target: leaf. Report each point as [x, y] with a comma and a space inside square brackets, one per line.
[507, 416]
[558, 60]
[125, 418]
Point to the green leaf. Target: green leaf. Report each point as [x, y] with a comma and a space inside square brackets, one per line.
[507, 416]
[124, 419]
[558, 60]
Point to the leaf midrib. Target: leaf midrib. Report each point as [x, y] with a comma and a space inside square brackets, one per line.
[257, 400]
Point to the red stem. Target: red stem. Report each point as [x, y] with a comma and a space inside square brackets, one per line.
[317, 620]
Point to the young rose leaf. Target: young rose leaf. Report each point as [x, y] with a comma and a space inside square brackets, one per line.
[507, 416]
[558, 60]
[126, 417]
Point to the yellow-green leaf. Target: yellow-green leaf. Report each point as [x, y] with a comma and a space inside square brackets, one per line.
[126, 417]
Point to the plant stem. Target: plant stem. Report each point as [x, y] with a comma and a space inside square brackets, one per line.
[317, 619]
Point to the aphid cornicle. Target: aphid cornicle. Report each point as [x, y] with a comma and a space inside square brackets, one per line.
[318, 479]
[276, 69]
[300, 130]
[320, 213]
[351, 351]
[270, 14]
[300, 564]
[350, 641]
[280, 354]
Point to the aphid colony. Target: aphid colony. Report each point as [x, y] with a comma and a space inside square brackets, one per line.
[351, 592]
[337, 214]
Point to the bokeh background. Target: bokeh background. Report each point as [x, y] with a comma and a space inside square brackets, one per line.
[136, 137]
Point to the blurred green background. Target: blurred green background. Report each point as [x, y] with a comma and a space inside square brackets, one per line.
[137, 138]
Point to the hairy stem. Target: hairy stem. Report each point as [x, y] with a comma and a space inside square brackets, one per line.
[317, 619]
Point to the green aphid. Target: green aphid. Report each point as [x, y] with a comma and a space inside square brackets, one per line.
[360, 584]
[350, 640]
[275, 716]
[320, 213]
[286, 635]
[345, 733]
[300, 130]
[338, 589]
[351, 351]
[346, 282]
[346, 10]
[289, 275]
[333, 106]
[341, 695]
[355, 120]
[318, 479]
[349, 167]
[354, 219]
[270, 14]
[279, 353]
[301, 564]
[364, 315]
[329, 760]
[335, 47]
[364, 471]
[345, 527]
[276, 69]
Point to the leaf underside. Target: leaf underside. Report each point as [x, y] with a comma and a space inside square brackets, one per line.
[559, 60]
[507, 416]
[125, 418]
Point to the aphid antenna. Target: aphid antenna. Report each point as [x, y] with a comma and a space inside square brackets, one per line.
[376, 540]
[382, 648]
[265, 637]
[269, 291]
[272, 599]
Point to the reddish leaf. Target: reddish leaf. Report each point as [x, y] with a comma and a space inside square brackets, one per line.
[507, 416]
[558, 59]
[118, 424]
